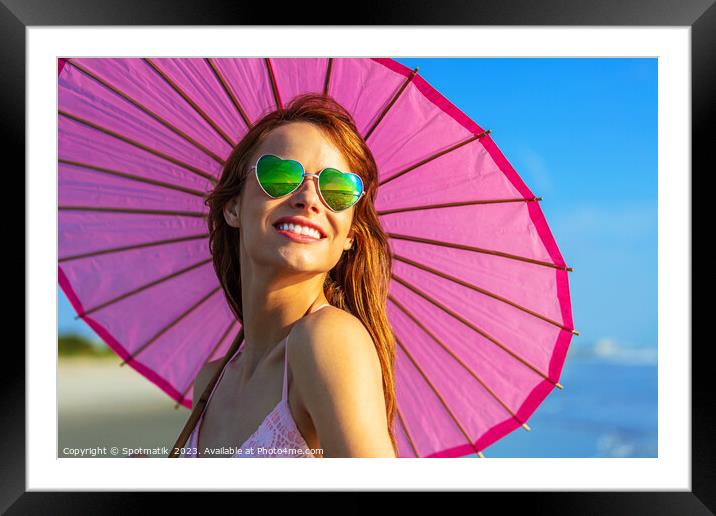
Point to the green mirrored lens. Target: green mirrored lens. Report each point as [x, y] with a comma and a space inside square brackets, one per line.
[340, 190]
[278, 176]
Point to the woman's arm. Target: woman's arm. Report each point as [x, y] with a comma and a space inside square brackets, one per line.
[337, 373]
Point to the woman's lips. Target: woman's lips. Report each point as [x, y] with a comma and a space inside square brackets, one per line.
[304, 239]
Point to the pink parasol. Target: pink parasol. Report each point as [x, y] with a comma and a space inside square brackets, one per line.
[479, 299]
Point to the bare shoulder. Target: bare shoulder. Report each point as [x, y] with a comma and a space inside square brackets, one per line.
[203, 378]
[332, 332]
[338, 375]
[334, 348]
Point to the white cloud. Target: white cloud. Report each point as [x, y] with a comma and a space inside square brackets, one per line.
[609, 350]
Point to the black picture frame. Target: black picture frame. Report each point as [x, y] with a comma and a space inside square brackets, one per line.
[17, 15]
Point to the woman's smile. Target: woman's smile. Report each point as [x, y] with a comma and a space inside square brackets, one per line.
[300, 229]
[290, 231]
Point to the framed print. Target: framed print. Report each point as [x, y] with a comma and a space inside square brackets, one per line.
[531, 322]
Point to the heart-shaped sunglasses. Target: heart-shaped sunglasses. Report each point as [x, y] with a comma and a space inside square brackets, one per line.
[280, 177]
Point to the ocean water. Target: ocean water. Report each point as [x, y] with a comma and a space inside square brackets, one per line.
[608, 408]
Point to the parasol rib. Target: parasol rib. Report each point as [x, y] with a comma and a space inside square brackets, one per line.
[455, 204]
[134, 143]
[274, 86]
[480, 290]
[432, 387]
[142, 288]
[169, 326]
[229, 92]
[131, 247]
[148, 111]
[132, 177]
[476, 250]
[390, 104]
[134, 211]
[407, 432]
[435, 156]
[459, 361]
[190, 101]
[206, 361]
[471, 326]
[327, 80]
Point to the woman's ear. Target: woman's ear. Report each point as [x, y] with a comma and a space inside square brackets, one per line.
[349, 241]
[231, 212]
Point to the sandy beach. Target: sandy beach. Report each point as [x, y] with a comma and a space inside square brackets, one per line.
[101, 404]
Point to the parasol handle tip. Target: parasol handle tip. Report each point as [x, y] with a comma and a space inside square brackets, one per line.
[526, 427]
[559, 385]
[575, 332]
[479, 454]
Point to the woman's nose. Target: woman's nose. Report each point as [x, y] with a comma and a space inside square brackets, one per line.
[307, 193]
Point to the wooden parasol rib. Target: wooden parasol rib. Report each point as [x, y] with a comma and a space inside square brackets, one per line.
[455, 204]
[136, 211]
[437, 393]
[476, 250]
[190, 101]
[480, 290]
[435, 156]
[206, 361]
[458, 360]
[390, 104]
[134, 143]
[142, 288]
[200, 405]
[471, 326]
[407, 432]
[327, 80]
[132, 177]
[131, 247]
[142, 107]
[169, 326]
[274, 86]
[229, 92]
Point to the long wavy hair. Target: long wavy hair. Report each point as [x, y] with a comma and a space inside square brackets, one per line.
[358, 283]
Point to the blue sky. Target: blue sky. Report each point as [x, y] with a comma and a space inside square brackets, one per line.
[582, 133]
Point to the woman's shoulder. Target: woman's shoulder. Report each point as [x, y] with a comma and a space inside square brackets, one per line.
[331, 340]
[331, 323]
[338, 380]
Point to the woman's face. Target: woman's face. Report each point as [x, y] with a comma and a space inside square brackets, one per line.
[257, 215]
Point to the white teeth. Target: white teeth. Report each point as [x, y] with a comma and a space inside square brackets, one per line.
[300, 230]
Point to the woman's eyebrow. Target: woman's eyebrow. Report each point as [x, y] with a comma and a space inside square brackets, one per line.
[287, 155]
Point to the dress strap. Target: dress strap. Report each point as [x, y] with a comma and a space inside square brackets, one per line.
[284, 389]
[284, 392]
[221, 374]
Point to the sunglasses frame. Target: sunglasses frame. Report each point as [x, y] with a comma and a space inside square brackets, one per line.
[303, 178]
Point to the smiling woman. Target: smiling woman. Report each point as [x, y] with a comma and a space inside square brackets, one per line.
[293, 229]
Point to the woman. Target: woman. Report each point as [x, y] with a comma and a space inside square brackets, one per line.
[309, 284]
